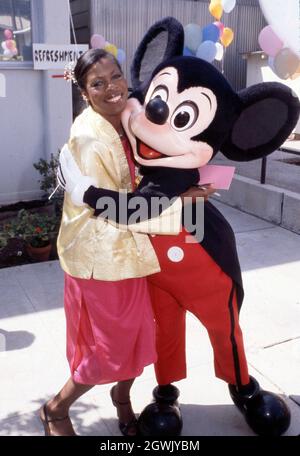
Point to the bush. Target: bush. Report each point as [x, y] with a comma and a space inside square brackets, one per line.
[48, 181]
[47, 170]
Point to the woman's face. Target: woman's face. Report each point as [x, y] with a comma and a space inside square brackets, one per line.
[106, 89]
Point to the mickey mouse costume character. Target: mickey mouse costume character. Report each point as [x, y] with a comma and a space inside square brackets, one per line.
[182, 112]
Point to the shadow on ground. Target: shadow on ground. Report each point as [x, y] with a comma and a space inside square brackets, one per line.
[200, 420]
[15, 340]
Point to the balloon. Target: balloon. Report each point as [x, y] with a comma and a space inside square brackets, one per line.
[220, 27]
[11, 44]
[215, 9]
[283, 16]
[207, 51]
[97, 41]
[228, 5]
[112, 49]
[271, 63]
[269, 41]
[211, 33]
[188, 52]
[8, 34]
[296, 74]
[220, 51]
[8, 52]
[192, 36]
[227, 36]
[121, 56]
[285, 63]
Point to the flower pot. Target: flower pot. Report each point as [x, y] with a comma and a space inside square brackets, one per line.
[39, 253]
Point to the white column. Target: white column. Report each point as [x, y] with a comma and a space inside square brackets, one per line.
[2, 86]
[57, 91]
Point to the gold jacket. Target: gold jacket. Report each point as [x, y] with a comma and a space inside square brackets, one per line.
[93, 247]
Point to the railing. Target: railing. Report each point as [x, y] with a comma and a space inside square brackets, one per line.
[263, 169]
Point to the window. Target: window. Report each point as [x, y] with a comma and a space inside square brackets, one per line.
[15, 31]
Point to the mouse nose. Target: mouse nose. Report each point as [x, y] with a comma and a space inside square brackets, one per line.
[157, 111]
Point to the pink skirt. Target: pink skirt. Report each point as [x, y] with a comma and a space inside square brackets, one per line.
[110, 329]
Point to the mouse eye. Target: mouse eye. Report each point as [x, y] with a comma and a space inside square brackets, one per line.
[184, 116]
[160, 91]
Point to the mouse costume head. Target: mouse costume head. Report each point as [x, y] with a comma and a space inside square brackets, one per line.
[183, 110]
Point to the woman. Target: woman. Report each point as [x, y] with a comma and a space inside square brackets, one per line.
[110, 327]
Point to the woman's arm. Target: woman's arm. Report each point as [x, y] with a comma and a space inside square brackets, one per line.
[166, 214]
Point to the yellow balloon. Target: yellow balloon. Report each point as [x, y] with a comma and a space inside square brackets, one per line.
[112, 49]
[216, 9]
[227, 36]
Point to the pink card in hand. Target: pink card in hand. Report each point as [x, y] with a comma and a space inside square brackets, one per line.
[219, 176]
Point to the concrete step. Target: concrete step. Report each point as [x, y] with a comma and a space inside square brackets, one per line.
[274, 204]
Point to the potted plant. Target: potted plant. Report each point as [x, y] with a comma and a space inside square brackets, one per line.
[37, 229]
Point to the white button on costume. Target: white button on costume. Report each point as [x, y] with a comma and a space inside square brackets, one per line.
[175, 254]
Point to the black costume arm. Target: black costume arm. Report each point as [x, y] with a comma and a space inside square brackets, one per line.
[156, 192]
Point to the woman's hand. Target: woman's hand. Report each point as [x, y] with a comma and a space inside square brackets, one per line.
[197, 191]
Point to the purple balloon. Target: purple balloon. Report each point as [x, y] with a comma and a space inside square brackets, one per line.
[269, 41]
[97, 41]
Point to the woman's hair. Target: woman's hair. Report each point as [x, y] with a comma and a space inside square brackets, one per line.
[87, 60]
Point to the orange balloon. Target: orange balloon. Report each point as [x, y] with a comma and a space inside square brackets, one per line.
[296, 74]
[216, 9]
[227, 36]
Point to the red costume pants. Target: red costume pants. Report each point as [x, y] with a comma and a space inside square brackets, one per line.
[190, 280]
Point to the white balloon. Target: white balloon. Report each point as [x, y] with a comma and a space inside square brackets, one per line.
[8, 53]
[284, 18]
[228, 5]
[220, 51]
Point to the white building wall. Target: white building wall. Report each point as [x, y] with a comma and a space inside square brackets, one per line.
[36, 111]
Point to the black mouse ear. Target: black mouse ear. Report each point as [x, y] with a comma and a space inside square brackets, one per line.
[162, 41]
[269, 113]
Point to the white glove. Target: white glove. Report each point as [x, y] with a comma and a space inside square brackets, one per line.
[71, 179]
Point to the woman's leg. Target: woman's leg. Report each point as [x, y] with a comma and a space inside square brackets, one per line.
[59, 405]
[120, 394]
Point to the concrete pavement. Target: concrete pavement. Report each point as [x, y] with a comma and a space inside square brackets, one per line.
[32, 343]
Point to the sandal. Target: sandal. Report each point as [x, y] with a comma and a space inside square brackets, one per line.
[125, 427]
[46, 420]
